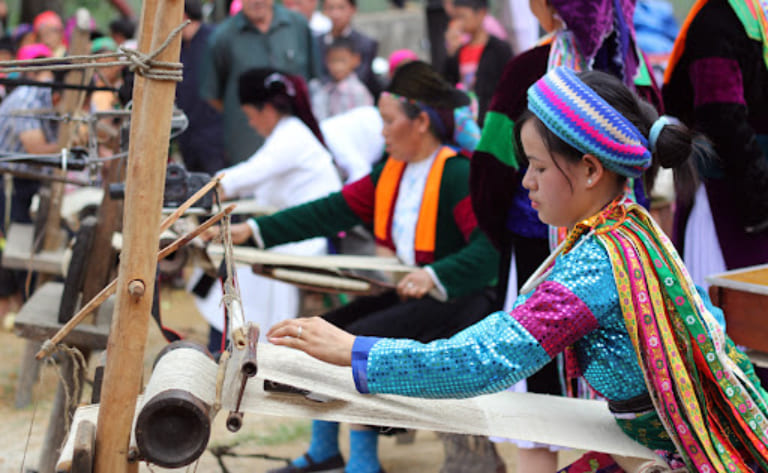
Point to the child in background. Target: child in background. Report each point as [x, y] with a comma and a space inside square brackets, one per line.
[477, 66]
[50, 31]
[343, 90]
[341, 14]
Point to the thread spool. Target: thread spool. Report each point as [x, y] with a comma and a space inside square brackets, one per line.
[174, 423]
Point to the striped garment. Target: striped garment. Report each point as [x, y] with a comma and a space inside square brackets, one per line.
[24, 99]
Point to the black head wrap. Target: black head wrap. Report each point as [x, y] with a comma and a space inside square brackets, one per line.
[417, 81]
[266, 85]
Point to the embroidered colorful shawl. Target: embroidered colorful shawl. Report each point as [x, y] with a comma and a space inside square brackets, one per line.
[703, 388]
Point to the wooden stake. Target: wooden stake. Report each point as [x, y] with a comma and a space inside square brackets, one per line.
[148, 148]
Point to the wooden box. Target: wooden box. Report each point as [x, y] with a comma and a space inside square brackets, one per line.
[743, 296]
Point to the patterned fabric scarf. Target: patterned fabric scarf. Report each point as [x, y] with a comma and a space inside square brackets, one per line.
[704, 389]
[563, 51]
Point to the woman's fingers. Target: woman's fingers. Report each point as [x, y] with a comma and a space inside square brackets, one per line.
[241, 232]
[414, 286]
[280, 328]
[315, 337]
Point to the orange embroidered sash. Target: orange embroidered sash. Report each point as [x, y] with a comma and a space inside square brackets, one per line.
[387, 189]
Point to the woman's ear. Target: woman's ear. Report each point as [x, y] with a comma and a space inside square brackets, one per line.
[593, 170]
[422, 122]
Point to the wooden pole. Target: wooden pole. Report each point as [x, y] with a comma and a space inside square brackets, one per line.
[145, 177]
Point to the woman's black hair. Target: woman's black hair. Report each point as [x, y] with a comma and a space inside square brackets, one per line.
[673, 147]
[287, 93]
[427, 92]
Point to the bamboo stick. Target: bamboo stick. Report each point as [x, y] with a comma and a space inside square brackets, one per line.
[168, 221]
[150, 132]
[104, 294]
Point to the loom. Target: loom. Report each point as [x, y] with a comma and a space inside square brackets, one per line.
[186, 373]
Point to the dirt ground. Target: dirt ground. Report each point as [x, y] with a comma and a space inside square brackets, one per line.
[22, 431]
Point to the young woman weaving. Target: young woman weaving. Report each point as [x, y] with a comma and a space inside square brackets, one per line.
[614, 296]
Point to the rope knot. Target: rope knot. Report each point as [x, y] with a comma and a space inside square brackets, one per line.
[147, 66]
[140, 62]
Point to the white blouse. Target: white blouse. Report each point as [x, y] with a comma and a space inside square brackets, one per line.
[291, 167]
[407, 206]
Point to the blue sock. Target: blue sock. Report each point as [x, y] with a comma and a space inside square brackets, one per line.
[324, 443]
[363, 452]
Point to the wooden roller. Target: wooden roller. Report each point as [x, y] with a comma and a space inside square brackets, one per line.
[173, 425]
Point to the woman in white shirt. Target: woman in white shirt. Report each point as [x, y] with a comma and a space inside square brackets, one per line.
[291, 167]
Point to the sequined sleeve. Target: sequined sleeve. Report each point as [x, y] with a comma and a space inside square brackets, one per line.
[501, 349]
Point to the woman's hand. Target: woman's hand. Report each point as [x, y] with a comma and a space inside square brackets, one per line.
[241, 232]
[315, 337]
[415, 285]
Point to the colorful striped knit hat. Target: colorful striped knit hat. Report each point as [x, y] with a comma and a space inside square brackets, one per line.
[577, 115]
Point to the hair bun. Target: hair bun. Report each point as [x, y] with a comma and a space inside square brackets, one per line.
[673, 144]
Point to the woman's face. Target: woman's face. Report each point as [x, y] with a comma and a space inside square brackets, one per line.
[550, 189]
[403, 136]
[545, 13]
[260, 119]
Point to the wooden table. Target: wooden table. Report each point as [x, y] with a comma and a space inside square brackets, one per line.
[743, 296]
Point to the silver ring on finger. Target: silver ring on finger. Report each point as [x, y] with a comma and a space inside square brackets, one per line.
[409, 285]
[298, 332]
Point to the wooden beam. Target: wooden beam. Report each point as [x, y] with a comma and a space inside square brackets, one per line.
[102, 259]
[147, 157]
